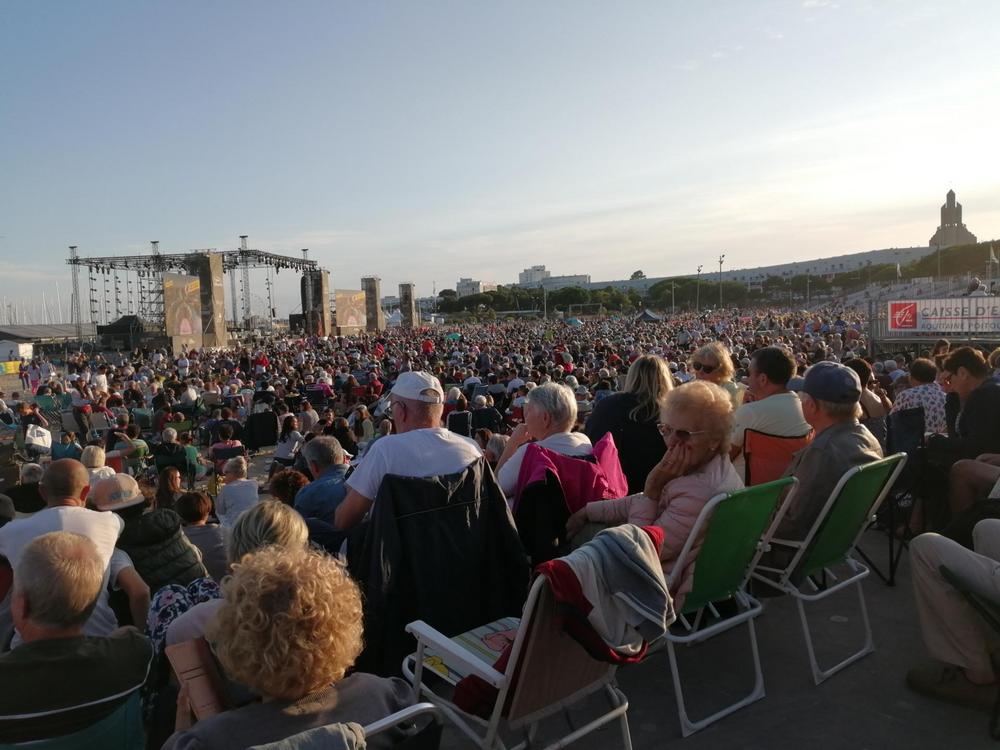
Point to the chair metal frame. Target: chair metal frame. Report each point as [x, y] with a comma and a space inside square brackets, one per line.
[506, 684]
[405, 715]
[856, 570]
[749, 609]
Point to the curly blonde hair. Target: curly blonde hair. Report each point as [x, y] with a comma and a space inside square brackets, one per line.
[717, 353]
[290, 623]
[711, 405]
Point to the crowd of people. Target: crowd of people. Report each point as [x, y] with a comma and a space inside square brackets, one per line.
[216, 495]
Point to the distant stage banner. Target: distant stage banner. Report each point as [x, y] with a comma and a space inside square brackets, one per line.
[945, 315]
[350, 305]
[182, 310]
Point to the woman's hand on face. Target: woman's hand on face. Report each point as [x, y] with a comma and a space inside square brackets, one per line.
[576, 522]
[520, 436]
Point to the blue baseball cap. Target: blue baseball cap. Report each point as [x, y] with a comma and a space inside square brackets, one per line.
[831, 381]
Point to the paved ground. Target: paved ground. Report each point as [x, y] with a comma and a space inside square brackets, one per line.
[865, 706]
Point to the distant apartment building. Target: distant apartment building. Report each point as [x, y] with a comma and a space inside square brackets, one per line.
[467, 287]
[538, 276]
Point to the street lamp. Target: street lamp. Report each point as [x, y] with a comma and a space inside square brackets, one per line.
[721, 258]
[697, 291]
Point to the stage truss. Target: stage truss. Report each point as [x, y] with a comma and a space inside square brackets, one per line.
[133, 284]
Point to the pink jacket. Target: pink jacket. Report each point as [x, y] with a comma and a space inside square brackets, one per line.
[680, 503]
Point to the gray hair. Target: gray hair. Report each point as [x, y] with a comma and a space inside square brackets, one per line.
[31, 473]
[169, 435]
[556, 400]
[236, 465]
[323, 451]
[60, 574]
[838, 411]
[496, 445]
[268, 523]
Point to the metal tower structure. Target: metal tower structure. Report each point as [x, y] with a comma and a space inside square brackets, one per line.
[149, 270]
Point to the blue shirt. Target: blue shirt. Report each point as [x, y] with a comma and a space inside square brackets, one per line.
[320, 498]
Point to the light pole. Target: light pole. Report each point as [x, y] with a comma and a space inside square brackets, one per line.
[721, 258]
[697, 291]
[807, 289]
[673, 304]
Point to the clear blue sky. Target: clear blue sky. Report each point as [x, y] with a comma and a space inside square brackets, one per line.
[423, 141]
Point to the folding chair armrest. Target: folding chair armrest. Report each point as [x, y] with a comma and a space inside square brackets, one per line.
[784, 542]
[446, 647]
[404, 716]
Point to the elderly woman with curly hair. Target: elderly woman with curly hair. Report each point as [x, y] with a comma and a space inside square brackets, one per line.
[289, 629]
[695, 422]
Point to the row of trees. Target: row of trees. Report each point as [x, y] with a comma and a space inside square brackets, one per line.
[507, 298]
[689, 293]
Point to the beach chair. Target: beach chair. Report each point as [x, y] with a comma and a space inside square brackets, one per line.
[830, 542]
[120, 730]
[735, 527]
[547, 671]
[767, 456]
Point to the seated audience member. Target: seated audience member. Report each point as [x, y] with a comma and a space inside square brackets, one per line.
[238, 494]
[953, 632]
[286, 484]
[65, 487]
[774, 409]
[829, 396]
[133, 448]
[197, 466]
[327, 464]
[194, 509]
[713, 363]
[26, 494]
[303, 605]
[60, 680]
[924, 393]
[93, 458]
[459, 420]
[977, 430]
[169, 451]
[695, 422]
[485, 416]
[345, 436]
[421, 447]
[494, 449]
[630, 417]
[307, 417]
[179, 614]
[225, 443]
[153, 541]
[549, 415]
[168, 488]
[67, 447]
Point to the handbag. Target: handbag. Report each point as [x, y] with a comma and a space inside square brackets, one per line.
[38, 437]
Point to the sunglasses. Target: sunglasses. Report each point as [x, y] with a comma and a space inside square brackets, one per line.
[707, 369]
[682, 435]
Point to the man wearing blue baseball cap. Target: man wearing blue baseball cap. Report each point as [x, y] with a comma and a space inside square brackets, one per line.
[830, 394]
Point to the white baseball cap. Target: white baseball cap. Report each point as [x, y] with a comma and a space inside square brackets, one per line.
[419, 386]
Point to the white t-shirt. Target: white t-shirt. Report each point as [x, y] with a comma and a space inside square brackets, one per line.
[235, 497]
[566, 443]
[429, 452]
[780, 414]
[101, 527]
[183, 366]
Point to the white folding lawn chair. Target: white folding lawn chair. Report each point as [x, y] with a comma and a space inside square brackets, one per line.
[546, 673]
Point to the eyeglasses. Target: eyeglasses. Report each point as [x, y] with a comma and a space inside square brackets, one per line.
[707, 369]
[682, 435]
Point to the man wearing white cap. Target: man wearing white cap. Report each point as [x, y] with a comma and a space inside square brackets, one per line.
[420, 447]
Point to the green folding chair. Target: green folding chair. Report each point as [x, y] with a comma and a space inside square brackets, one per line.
[736, 535]
[830, 542]
[120, 730]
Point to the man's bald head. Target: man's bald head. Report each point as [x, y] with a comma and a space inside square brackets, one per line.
[66, 479]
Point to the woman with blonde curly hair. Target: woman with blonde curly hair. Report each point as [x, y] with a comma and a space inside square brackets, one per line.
[289, 629]
[712, 363]
[695, 422]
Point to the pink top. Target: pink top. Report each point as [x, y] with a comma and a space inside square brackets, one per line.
[680, 503]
